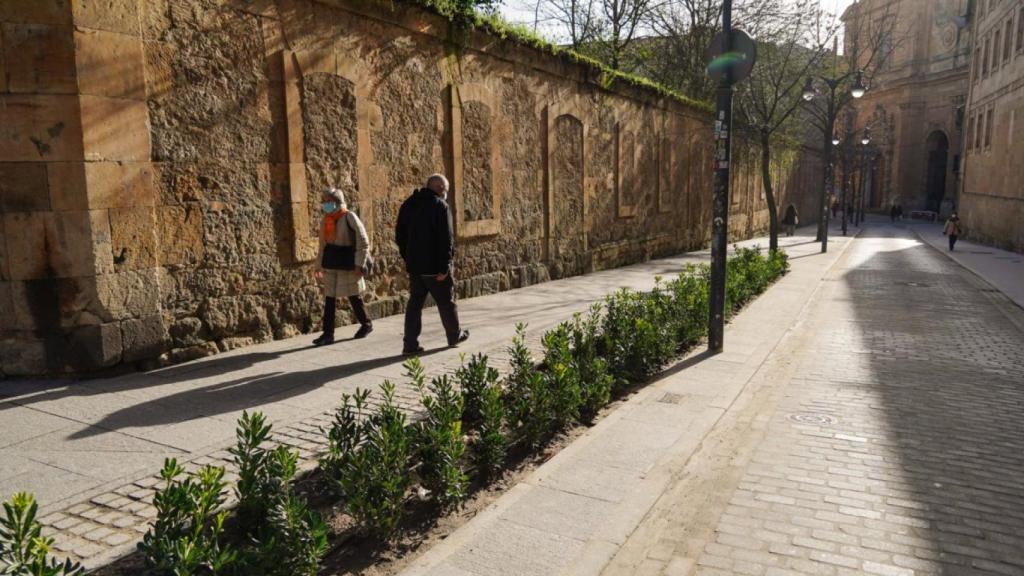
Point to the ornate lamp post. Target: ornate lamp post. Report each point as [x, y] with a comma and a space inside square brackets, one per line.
[809, 93]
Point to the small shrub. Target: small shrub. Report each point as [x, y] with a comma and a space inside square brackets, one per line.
[24, 551]
[527, 396]
[594, 378]
[438, 437]
[375, 477]
[637, 334]
[186, 537]
[492, 443]
[778, 263]
[561, 376]
[473, 378]
[689, 304]
[287, 537]
[344, 437]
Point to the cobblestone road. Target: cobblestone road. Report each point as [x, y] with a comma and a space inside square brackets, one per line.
[891, 441]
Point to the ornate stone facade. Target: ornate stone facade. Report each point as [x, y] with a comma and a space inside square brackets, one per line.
[161, 163]
[914, 104]
[992, 197]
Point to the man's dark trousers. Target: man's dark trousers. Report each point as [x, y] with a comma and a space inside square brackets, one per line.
[444, 295]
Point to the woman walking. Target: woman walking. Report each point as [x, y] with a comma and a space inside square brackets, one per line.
[952, 230]
[791, 220]
[344, 252]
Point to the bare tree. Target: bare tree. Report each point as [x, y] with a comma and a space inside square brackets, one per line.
[791, 40]
[577, 19]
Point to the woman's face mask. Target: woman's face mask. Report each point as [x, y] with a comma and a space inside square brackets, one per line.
[329, 207]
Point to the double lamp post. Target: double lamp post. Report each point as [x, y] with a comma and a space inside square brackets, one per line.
[809, 93]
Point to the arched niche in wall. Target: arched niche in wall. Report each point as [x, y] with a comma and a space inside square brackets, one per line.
[566, 205]
[324, 89]
[626, 176]
[476, 160]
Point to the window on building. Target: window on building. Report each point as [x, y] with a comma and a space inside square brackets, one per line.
[996, 45]
[977, 64]
[978, 129]
[970, 133]
[984, 56]
[1008, 40]
[1020, 29]
[988, 128]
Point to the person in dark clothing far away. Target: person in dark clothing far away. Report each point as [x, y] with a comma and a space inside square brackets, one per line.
[790, 220]
[425, 241]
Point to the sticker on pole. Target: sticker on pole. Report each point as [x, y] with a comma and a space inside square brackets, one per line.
[739, 61]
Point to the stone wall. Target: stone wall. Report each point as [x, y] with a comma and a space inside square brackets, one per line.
[161, 163]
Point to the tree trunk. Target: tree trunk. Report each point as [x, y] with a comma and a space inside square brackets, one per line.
[766, 179]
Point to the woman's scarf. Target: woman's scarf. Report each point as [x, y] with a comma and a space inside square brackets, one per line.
[331, 224]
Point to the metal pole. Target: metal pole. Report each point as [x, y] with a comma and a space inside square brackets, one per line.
[823, 227]
[720, 216]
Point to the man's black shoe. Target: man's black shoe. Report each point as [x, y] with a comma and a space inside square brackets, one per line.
[363, 331]
[324, 340]
[463, 336]
[412, 351]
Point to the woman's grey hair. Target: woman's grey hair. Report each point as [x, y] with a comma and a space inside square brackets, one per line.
[437, 179]
[337, 195]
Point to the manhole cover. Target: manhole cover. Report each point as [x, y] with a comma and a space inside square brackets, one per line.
[812, 418]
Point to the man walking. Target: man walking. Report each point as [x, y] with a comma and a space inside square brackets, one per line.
[426, 243]
[952, 230]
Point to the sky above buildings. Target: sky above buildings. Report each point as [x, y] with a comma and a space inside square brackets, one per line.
[522, 12]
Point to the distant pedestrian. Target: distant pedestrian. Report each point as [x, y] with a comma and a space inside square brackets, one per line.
[893, 213]
[425, 241]
[952, 230]
[835, 207]
[791, 220]
[899, 211]
[344, 257]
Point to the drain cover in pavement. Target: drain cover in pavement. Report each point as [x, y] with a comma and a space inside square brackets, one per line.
[812, 418]
[670, 398]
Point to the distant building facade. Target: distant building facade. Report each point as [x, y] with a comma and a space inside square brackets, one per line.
[915, 102]
[992, 197]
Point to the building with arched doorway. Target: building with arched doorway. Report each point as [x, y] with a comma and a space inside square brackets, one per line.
[914, 105]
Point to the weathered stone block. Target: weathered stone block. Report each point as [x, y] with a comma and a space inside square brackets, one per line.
[186, 332]
[110, 64]
[133, 236]
[112, 15]
[80, 304]
[40, 127]
[22, 356]
[159, 76]
[40, 58]
[36, 305]
[234, 315]
[93, 347]
[132, 294]
[181, 235]
[115, 129]
[23, 187]
[35, 11]
[119, 184]
[57, 244]
[67, 185]
[143, 338]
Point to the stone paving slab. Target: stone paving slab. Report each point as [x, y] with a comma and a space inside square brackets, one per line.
[577, 510]
[127, 425]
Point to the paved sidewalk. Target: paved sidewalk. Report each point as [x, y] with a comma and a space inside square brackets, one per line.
[885, 435]
[1001, 268]
[573, 514]
[90, 450]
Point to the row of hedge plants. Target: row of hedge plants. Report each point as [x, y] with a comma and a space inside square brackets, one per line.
[378, 460]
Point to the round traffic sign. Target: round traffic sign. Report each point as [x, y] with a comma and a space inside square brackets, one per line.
[739, 61]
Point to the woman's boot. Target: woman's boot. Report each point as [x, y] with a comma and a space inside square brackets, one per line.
[329, 310]
[359, 309]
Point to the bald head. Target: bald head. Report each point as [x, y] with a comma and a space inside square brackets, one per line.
[438, 184]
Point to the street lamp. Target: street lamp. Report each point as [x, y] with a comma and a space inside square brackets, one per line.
[809, 93]
[865, 140]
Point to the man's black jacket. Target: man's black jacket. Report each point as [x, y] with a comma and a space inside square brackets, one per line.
[424, 234]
